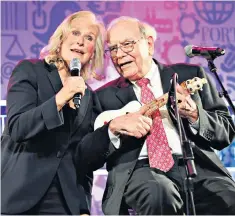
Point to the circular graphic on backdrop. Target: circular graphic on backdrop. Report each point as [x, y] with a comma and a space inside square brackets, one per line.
[6, 69]
[214, 12]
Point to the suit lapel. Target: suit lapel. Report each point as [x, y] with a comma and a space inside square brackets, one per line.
[81, 113]
[127, 94]
[166, 75]
[54, 78]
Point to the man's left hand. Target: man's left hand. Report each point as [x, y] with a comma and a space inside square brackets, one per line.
[186, 106]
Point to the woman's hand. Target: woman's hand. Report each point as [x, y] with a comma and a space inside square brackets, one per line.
[71, 86]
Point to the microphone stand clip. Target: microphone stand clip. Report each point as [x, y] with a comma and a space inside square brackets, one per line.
[224, 92]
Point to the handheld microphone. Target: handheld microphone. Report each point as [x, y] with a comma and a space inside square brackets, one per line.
[75, 67]
[207, 52]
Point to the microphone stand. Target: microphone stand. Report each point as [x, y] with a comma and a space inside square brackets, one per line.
[224, 93]
[186, 146]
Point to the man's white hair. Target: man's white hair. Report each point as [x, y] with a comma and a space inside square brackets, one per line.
[145, 29]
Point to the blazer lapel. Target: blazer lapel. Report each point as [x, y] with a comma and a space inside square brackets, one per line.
[166, 75]
[54, 78]
[81, 113]
[127, 94]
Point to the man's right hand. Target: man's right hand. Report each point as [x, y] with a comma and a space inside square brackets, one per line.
[132, 124]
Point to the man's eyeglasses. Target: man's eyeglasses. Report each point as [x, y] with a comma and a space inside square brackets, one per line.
[126, 47]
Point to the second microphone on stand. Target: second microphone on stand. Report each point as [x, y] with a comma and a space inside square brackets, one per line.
[75, 70]
[206, 52]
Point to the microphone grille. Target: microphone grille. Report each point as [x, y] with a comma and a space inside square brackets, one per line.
[75, 64]
[189, 51]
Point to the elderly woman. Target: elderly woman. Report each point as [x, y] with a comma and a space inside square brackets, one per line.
[41, 174]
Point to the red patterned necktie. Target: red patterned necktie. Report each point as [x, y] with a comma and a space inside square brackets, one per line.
[159, 152]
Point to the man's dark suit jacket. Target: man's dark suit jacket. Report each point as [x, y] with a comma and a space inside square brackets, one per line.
[36, 144]
[216, 129]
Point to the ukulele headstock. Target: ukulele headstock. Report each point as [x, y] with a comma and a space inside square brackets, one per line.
[195, 84]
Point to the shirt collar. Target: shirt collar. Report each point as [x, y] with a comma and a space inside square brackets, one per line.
[151, 75]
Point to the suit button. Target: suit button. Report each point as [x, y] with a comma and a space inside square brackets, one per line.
[129, 171]
[59, 154]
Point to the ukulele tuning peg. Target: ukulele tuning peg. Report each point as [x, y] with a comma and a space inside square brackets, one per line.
[204, 81]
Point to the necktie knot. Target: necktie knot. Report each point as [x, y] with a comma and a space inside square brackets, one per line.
[143, 82]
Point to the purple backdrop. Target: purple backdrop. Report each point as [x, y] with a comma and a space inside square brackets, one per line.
[27, 26]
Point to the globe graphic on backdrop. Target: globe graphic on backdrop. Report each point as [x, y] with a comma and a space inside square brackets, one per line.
[214, 12]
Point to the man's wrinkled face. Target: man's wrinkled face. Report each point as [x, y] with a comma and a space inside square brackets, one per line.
[129, 50]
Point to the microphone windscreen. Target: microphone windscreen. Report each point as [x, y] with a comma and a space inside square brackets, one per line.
[75, 64]
[189, 51]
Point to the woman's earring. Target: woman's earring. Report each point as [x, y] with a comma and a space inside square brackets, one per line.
[58, 50]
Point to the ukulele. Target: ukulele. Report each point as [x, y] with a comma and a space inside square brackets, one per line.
[191, 85]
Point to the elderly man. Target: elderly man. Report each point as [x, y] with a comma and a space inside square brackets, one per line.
[146, 167]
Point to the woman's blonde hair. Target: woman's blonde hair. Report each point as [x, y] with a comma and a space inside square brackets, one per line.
[51, 52]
